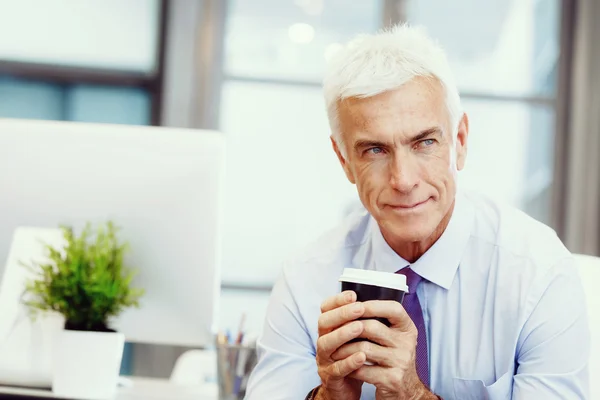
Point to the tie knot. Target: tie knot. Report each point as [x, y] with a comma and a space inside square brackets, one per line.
[412, 279]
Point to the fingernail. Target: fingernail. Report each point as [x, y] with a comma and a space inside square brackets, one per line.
[357, 308]
[356, 327]
[349, 296]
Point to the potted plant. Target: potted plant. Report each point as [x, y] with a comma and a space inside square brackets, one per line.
[87, 283]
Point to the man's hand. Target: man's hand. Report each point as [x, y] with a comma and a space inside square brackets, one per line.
[392, 350]
[337, 326]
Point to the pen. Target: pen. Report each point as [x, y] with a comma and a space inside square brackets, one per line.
[240, 335]
[222, 349]
[244, 354]
[236, 357]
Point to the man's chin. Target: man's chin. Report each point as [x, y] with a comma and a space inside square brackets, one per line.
[413, 236]
[409, 232]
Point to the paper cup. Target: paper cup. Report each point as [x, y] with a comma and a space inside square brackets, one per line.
[374, 285]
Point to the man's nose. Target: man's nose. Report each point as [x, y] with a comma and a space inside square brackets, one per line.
[403, 174]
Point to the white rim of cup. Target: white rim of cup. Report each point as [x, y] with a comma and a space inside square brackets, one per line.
[375, 278]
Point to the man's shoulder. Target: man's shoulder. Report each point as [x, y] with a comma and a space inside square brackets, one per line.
[516, 234]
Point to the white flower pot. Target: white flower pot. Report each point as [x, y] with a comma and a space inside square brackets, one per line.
[87, 364]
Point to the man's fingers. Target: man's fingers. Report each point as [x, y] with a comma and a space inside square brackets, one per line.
[377, 332]
[392, 311]
[372, 374]
[372, 351]
[330, 342]
[382, 356]
[335, 318]
[338, 300]
[343, 368]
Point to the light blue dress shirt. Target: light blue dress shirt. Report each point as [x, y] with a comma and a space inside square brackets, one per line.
[503, 304]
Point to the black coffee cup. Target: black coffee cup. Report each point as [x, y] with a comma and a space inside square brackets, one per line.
[374, 285]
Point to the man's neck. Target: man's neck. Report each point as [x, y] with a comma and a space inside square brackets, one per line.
[412, 251]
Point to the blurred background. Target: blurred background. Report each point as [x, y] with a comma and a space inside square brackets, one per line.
[253, 69]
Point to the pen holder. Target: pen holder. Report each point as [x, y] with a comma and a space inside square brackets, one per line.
[234, 365]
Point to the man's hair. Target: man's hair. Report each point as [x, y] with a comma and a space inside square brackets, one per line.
[375, 63]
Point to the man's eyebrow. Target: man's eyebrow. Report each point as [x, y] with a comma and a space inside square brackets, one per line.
[364, 143]
[435, 131]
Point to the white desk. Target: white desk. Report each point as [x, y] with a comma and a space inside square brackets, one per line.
[140, 389]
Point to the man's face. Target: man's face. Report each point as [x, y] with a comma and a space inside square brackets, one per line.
[403, 157]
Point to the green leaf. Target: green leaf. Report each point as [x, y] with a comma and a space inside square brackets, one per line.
[87, 281]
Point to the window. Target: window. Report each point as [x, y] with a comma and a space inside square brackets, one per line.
[509, 142]
[289, 39]
[285, 185]
[111, 34]
[94, 62]
[31, 99]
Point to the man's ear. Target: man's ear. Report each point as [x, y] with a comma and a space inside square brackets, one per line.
[461, 142]
[342, 160]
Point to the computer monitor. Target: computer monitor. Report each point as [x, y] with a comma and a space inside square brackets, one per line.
[162, 186]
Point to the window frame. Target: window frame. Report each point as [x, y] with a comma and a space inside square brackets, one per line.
[152, 83]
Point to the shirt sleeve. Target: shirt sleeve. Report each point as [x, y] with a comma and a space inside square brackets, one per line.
[554, 345]
[286, 366]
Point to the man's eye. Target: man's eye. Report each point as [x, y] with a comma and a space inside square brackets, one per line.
[375, 150]
[425, 143]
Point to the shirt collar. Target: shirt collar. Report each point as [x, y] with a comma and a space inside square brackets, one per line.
[440, 263]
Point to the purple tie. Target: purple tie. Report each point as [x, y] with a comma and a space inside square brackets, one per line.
[413, 308]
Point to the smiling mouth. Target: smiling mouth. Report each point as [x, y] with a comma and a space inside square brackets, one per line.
[408, 207]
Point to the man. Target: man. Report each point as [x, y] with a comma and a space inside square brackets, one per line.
[500, 310]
